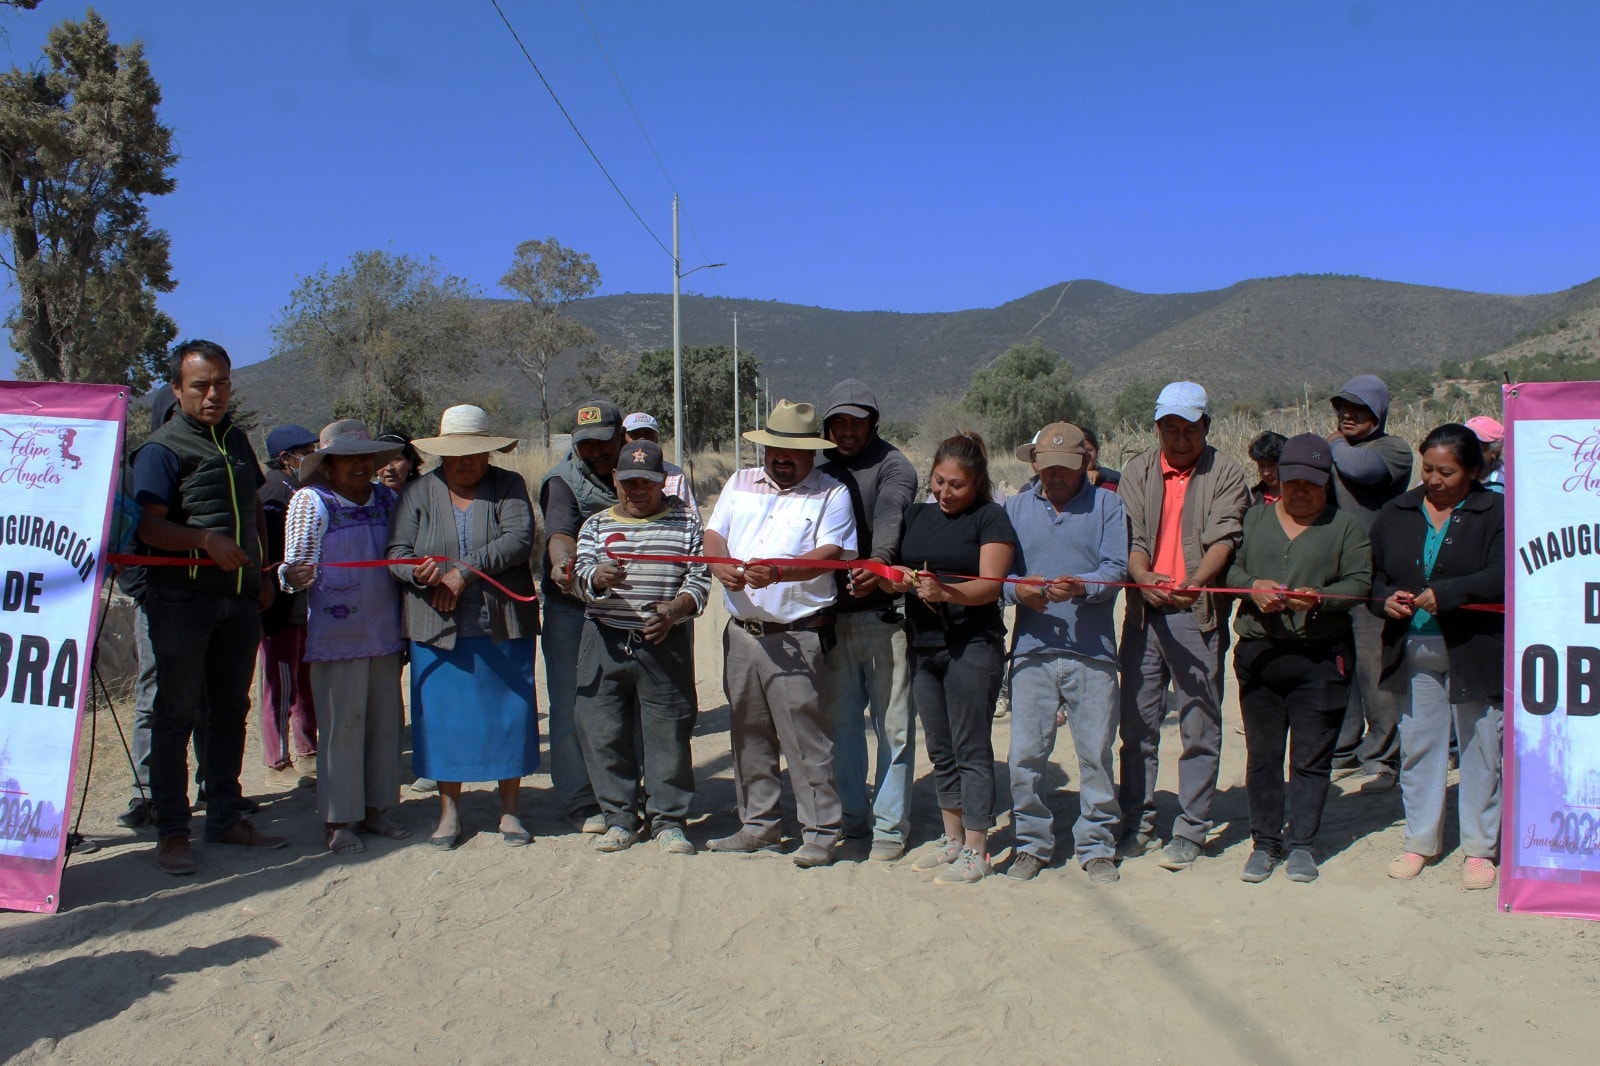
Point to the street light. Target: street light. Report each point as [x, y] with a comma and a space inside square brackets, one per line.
[678, 274]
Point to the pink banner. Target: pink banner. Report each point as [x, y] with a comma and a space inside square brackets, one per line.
[60, 447]
[1550, 836]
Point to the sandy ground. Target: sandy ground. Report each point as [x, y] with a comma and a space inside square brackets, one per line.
[556, 952]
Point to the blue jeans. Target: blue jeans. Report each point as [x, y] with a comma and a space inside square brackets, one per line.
[144, 710]
[1425, 716]
[1043, 683]
[867, 671]
[205, 649]
[561, 633]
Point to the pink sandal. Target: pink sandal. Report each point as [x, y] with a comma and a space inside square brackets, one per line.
[1407, 866]
[1478, 873]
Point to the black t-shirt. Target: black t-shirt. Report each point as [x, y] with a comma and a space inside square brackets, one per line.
[950, 544]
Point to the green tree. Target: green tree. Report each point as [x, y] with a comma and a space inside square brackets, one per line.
[1135, 405]
[388, 332]
[80, 149]
[1027, 388]
[531, 331]
[707, 393]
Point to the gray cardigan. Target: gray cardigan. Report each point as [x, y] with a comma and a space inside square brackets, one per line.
[502, 538]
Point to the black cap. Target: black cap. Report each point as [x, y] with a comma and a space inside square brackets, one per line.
[597, 420]
[640, 458]
[1306, 457]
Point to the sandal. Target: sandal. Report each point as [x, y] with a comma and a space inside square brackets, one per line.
[1478, 873]
[1407, 866]
[343, 841]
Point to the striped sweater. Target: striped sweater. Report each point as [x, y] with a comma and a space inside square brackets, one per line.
[674, 531]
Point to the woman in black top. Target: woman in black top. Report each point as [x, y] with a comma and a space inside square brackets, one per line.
[957, 645]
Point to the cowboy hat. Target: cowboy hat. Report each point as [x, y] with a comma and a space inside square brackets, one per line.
[791, 425]
[464, 430]
[348, 436]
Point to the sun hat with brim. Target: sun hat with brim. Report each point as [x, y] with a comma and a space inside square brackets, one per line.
[1058, 444]
[1306, 457]
[791, 425]
[464, 430]
[348, 436]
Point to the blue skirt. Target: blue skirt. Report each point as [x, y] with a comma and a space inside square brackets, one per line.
[473, 712]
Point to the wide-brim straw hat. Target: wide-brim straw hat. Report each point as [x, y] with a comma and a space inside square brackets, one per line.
[348, 436]
[791, 425]
[464, 430]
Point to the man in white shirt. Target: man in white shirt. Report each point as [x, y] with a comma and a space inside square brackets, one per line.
[781, 623]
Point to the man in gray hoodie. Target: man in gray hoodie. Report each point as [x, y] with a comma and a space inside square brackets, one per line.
[1371, 467]
[866, 671]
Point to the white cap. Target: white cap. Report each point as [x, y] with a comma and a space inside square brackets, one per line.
[639, 420]
[1184, 399]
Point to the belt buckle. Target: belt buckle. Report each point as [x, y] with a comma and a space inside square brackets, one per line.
[754, 626]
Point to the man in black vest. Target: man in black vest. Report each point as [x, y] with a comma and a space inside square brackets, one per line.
[197, 480]
[575, 488]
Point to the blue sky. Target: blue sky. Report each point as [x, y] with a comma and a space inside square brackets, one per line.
[889, 156]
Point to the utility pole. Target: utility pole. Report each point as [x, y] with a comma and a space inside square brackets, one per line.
[677, 347]
[738, 442]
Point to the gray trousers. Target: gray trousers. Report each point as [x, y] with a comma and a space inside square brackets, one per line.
[1370, 734]
[635, 713]
[1425, 717]
[559, 639]
[144, 709]
[774, 709]
[1170, 647]
[358, 747]
[1043, 683]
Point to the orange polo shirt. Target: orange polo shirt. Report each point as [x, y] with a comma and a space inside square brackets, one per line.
[1169, 532]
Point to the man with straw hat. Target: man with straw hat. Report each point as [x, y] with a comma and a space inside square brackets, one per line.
[781, 623]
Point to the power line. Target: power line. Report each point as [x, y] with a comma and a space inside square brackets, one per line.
[584, 140]
[639, 120]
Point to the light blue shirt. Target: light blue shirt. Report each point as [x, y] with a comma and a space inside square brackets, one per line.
[1087, 539]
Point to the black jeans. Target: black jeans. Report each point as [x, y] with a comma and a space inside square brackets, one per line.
[635, 712]
[205, 646]
[953, 690]
[1294, 691]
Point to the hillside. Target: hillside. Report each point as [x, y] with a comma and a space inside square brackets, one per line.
[1257, 339]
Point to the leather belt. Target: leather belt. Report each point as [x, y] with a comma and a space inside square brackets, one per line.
[757, 627]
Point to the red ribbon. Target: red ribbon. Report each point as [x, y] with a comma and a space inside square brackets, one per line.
[118, 559]
[893, 573]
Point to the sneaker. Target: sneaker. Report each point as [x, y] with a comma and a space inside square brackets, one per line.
[1259, 866]
[886, 850]
[1102, 871]
[1478, 873]
[1136, 844]
[1025, 867]
[945, 851]
[743, 843]
[968, 869]
[1301, 866]
[616, 838]
[1407, 866]
[591, 823]
[174, 855]
[140, 812]
[1179, 854]
[673, 840]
